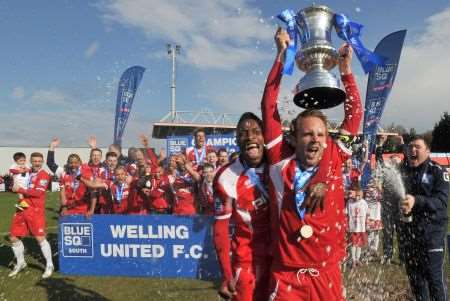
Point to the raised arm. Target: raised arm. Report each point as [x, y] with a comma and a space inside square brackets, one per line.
[273, 134]
[352, 104]
[150, 153]
[51, 155]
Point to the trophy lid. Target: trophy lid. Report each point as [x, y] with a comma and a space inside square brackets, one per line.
[314, 7]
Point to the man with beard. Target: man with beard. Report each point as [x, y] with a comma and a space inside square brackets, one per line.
[308, 244]
[75, 197]
[32, 219]
[427, 188]
[197, 153]
[240, 195]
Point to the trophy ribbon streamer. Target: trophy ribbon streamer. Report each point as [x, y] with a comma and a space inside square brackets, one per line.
[350, 32]
[288, 17]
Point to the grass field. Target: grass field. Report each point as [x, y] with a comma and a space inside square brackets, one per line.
[371, 282]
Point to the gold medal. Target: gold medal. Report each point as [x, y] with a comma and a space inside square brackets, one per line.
[306, 231]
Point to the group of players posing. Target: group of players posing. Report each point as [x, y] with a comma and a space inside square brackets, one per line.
[285, 197]
[137, 184]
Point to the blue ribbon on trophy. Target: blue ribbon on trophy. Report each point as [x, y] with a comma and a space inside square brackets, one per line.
[288, 17]
[350, 32]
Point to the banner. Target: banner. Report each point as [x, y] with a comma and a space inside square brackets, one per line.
[379, 85]
[177, 144]
[128, 85]
[162, 246]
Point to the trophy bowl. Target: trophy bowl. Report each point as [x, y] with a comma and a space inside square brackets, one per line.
[319, 88]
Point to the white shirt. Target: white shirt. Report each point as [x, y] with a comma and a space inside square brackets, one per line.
[357, 214]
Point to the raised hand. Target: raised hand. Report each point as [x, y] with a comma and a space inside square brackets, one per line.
[144, 140]
[92, 142]
[282, 41]
[345, 59]
[54, 143]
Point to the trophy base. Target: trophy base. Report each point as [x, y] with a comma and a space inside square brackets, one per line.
[319, 98]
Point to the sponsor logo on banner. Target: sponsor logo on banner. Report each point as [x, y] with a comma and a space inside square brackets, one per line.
[178, 144]
[77, 240]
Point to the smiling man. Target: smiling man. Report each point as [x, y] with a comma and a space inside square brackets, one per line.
[197, 153]
[240, 194]
[32, 219]
[306, 174]
[427, 188]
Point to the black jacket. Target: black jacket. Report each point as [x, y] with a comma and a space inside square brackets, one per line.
[429, 184]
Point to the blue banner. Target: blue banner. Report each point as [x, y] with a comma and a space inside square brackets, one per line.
[177, 144]
[379, 85]
[162, 246]
[128, 85]
[288, 17]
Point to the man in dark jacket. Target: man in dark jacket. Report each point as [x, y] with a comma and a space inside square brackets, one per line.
[427, 188]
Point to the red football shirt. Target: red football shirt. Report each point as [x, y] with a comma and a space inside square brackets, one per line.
[238, 197]
[327, 245]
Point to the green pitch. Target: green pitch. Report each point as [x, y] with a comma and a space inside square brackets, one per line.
[379, 282]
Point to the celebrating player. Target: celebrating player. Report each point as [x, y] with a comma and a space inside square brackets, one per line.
[240, 195]
[308, 243]
[197, 153]
[32, 218]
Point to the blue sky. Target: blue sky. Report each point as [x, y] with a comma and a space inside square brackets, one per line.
[61, 61]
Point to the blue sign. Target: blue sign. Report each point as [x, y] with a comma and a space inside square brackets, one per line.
[177, 144]
[379, 85]
[78, 240]
[162, 246]
[128, 84]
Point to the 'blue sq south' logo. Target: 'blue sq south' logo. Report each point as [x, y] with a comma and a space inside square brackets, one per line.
[77, 239]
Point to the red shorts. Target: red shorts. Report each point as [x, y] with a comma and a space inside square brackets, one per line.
[252, 283]
[30, 220]
[287, 284]
[358, 239]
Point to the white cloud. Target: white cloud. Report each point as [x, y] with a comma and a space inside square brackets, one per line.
[73, 127]
[219, 34]
[49, 97]
[92, 49]
[421, 91]
[18, 92]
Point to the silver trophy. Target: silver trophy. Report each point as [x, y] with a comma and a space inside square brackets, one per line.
[319, 88]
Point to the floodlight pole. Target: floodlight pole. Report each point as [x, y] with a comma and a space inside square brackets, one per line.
[173, 50]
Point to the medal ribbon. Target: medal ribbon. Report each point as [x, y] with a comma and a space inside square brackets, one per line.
[75, 183]
[301, 178]
[254, 178]
[199, 159]
[119, 192]
[30, 179]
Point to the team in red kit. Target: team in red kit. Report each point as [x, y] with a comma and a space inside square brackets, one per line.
[279, 208]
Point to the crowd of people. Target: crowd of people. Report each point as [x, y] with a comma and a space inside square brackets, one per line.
[295, 204]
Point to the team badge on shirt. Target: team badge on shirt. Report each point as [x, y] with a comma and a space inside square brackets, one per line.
[43, 182]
